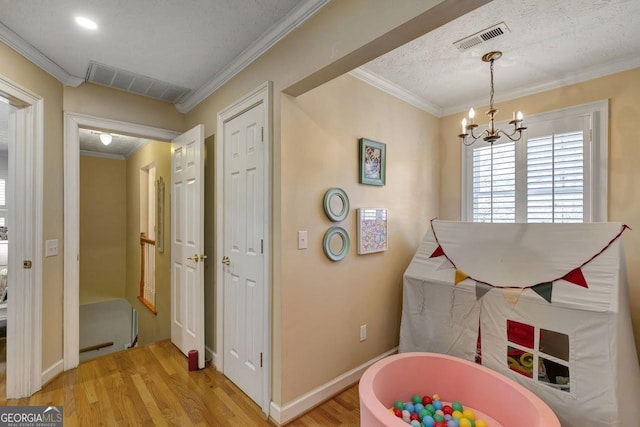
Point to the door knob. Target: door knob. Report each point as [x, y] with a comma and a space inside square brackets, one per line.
[193, 258]
[226, 260]
[203, 257]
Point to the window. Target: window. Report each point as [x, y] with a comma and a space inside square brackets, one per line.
[556, 173]
[541, 356]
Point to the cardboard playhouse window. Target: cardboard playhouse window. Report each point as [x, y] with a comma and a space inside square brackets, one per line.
[548, 357]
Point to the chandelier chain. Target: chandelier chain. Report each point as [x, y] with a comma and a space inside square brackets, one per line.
[491, 100]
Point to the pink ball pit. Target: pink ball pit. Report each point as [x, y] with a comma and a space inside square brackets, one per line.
[500, 400]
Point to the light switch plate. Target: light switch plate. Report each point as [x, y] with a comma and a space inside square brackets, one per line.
[51, 247]
[302, 240]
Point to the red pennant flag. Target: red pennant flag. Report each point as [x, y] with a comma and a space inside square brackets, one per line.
[575, 276]
[438, 252]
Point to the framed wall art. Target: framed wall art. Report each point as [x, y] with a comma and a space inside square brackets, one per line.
[372, 230]
[373, 157]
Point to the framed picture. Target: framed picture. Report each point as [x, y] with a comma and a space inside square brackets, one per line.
[372, 230]
[373, 157]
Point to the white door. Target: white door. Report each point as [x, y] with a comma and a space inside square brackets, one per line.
[244, 287]
[187, 242]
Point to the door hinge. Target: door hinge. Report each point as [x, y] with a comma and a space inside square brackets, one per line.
[261, 360]
[261, 246]
[262, 134]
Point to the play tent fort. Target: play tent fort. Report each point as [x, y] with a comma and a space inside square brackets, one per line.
[544, 304]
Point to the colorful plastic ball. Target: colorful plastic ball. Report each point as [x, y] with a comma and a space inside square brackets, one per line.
[438, 417]
[447, 409]
[464, 422]
[414, 416]
[456, 414]
[398, 404]
[409, 407]
[429, 407]
[426, 400]
[423, 413]
[447, 417]
[439, 412]
[481, 423]
[419, 407]
[416, 399]
[415, 423]
[428, 421]
[468, 413]
[406, 415]
[451, 423]
[437, 404]
[439, 424]
[457, 406]
[435, 397]
[397, 412]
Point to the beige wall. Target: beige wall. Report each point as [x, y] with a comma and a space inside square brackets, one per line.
[151, 328]
[103, 220]
[623, 92]
[341, 36]
[103, 102]
[17, 69]
[324, 302]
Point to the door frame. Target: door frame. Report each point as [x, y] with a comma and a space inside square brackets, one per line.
[261, 95]
[72, 123]
[24, 314]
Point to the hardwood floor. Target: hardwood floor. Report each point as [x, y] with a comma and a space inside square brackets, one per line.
[151, 386]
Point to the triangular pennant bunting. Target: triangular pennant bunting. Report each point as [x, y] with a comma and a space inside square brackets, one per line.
[481, 289]
[544, 290]
[575, 276]
[460, 276]
[438, 252]
[446, 265]
[512, 295]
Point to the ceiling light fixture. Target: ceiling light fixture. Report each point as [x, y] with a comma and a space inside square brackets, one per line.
[105, 138]
[492, 134]
[86, 23]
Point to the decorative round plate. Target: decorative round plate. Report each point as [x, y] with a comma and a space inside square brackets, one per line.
[334, 253]
[336, 204]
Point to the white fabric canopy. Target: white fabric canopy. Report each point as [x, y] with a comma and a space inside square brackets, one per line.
[602, 362]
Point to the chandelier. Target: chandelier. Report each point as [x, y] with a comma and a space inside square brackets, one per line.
[491, 134]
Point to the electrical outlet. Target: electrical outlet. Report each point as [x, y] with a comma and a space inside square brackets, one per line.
[363, 333]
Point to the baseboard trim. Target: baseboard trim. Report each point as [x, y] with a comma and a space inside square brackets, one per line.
[211, 356]
[52, 371]
[297, 407]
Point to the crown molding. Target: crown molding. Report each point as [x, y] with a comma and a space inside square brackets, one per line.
[20, 45]
[273, 35]
[606, 69]
[102, 155]
[393, 89]
[407, 96]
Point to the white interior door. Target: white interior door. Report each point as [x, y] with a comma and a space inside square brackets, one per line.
[244, 284]
[187, 242]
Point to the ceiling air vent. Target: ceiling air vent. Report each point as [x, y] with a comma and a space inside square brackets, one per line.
[482, 36]
[135, 83]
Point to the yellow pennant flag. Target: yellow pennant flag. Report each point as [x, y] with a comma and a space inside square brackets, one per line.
[460, 276]
[512, 295]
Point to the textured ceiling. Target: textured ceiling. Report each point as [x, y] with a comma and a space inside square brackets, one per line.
[121, 146]
[551, 42]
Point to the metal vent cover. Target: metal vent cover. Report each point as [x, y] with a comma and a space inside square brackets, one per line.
[116, 78]
[482, 36]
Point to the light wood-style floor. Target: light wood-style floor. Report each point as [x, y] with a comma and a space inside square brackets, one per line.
[151, 386]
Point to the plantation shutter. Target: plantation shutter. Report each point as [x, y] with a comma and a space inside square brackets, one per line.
[494, 183]
[555, 178]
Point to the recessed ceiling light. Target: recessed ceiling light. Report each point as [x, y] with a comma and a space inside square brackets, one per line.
[86, 23]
